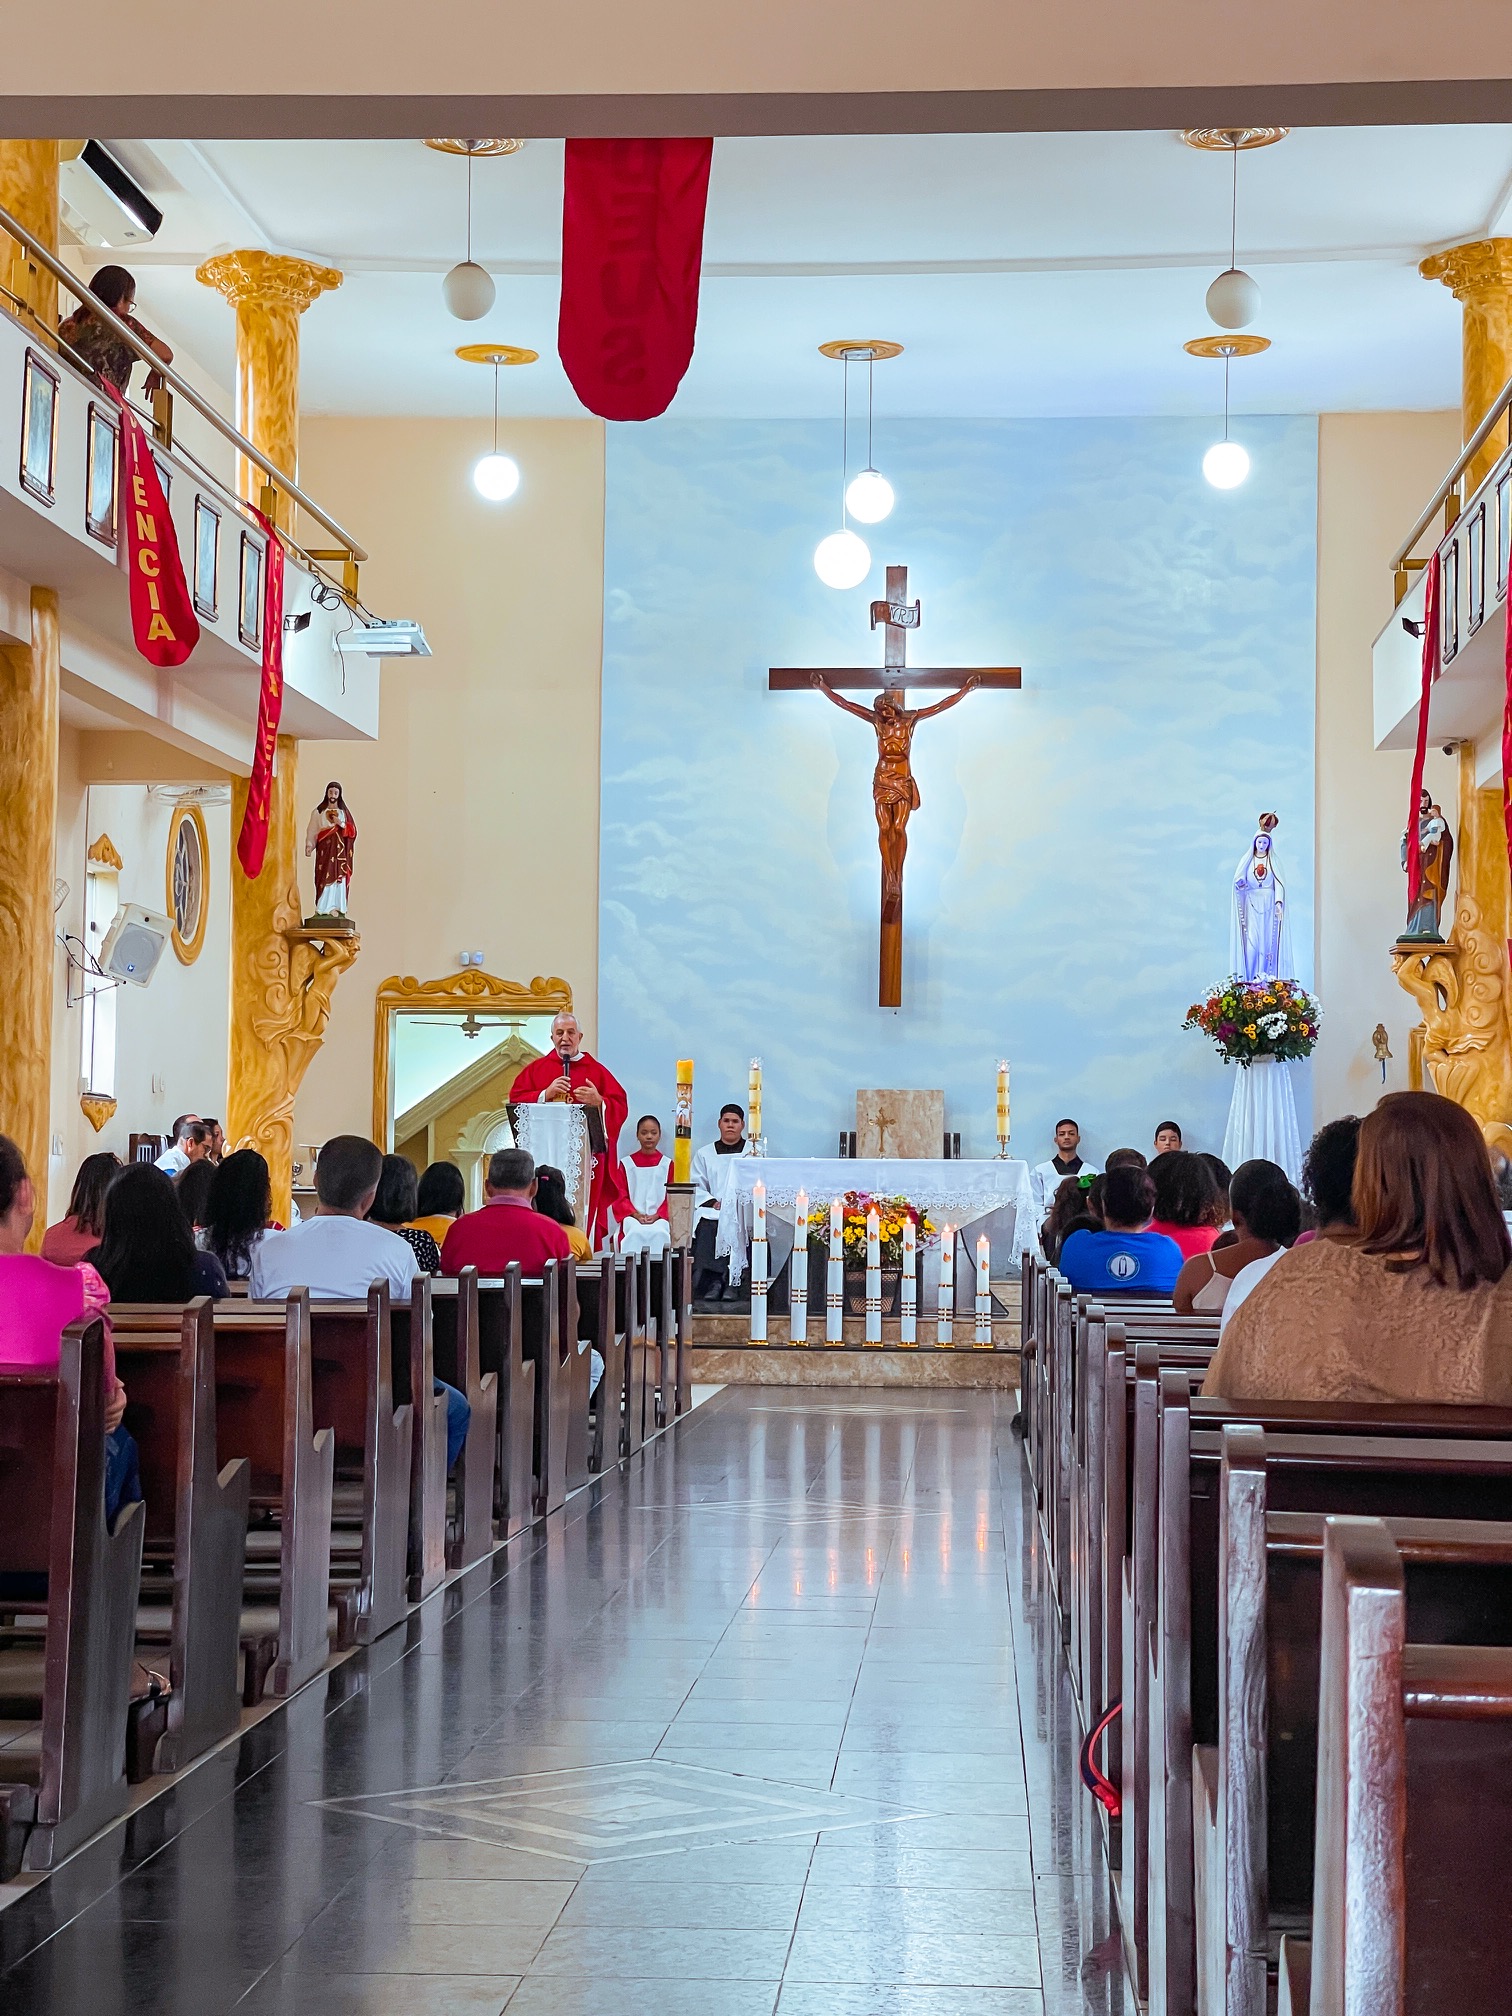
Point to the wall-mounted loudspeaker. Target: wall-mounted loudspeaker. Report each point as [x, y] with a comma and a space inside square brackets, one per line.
[134, 944]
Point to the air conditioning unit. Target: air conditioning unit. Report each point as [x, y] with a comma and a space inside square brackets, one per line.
[384, 640]
[102, 204]
[134, 944]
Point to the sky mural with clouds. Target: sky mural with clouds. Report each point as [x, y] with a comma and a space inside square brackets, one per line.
[1069, 871]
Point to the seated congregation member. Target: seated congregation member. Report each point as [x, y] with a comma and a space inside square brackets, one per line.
[551, 1202]
[508, 1227]
[1125, 1158]
[338, 1254]
[1070, 1211]
[1267, 1215]
[192, 1188]
[1186, 1200]
[78, 1233]
[439, 1199]
[38, 1301]
[147, 1251]
[1127, 1253]
[1045, 1178]
[189, 1142]
[1414, 1304]
[1327, 1177]
[643, 1226]
[397, 1205]
[1222, 1177]
[1167, 1139]
[217, 1140]
[238, 1211]
[711, 1173]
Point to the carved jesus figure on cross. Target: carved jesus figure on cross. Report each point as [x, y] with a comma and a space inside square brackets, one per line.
[895, 794]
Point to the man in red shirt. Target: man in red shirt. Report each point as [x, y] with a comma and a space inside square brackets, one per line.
[508, 1227]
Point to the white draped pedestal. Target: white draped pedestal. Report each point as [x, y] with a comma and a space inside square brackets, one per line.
[990, 1197]
[1263, 1117]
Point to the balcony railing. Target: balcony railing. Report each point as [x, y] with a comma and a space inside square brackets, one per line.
[1450, 499]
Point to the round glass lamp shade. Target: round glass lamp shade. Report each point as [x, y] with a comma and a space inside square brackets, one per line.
[496, 477]
[1233, 300]
[843, 560]
[468, 291]
[869, 498]
[1226, 464]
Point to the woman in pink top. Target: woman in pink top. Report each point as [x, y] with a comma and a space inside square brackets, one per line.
[76, 1236]
[38, 1300]
[1187, 1203]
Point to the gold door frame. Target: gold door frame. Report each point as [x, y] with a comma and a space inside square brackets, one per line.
[468, 989]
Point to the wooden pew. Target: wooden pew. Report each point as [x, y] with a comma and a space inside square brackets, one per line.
[195, 1525]
[575, 1335]
[413, 1343]
[53, 1533]
[541, 1338]
[1413, 1888]
[664, 1272]
[608, 1413]
[1253, 1792]
[501, 1333]
[1405, 1472]
[456, 1355]
[684, 1261]
[634, 1284]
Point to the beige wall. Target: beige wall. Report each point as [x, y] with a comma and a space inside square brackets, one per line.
[477, 808]
[1375, 473]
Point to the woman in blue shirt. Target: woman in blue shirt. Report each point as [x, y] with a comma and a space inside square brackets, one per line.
[1126, 1255]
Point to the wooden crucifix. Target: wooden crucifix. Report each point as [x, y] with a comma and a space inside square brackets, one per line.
[895, 794]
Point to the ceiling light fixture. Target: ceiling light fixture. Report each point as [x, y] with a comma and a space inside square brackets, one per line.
[1226, 463]
[496, 476]
[468, 289]
[1233, 299]
[843, 559]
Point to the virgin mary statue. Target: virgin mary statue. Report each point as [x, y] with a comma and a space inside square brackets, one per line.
[1260, 933]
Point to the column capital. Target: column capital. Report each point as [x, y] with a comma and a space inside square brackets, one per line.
[267, 279]
[1480, 267]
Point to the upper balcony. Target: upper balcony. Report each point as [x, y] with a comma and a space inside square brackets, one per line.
[1470, 693]
[61, 526]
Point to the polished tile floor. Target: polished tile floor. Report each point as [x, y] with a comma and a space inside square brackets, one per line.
[777, 1723]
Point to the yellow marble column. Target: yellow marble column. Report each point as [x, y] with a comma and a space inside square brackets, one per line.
[28, 817]
[282, 977]
[29, 191]
[1479, 275]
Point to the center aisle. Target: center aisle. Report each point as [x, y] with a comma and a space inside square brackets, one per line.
[770, 1724]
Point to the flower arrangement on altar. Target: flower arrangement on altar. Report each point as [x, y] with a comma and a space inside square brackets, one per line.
[892, 1214]
[1247, 1019]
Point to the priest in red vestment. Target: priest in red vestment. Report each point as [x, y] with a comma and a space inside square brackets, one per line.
[567, 1072]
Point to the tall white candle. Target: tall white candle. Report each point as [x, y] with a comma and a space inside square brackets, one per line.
[798, 1273]
[1002, 1104]
[873, 1277]
[834, 1287]
[945, 1313]
[908, 1315]
[759, 1264]
[753, 1101]
[983, 1290]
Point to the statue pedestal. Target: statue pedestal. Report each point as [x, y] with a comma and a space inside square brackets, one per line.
[1263, 1117]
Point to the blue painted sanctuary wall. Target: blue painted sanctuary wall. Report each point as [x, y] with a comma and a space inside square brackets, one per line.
[1068, 878]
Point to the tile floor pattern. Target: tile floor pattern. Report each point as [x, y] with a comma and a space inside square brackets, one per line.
[777, 1723]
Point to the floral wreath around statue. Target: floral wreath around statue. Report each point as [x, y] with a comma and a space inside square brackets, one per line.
[892, 1214]
[1249, 1019]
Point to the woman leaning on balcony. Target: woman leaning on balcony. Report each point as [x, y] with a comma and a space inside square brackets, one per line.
[99, 348]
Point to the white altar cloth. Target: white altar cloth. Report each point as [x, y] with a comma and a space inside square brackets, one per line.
[963, 1194]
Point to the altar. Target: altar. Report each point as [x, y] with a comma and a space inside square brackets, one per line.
[975, 1197]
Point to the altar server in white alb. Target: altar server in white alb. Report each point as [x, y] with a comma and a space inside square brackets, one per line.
[1045, 1178]
[713, 1167]
[643, 1215]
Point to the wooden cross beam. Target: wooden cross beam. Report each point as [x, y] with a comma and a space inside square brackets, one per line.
[894, 792]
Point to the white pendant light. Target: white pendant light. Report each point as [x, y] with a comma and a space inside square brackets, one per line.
[1226, 463]
[496, 475]
[1233, 299]
[869, 496]
[843, 560]
[468, 289]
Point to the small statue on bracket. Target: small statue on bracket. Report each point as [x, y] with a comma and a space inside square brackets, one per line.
[1380, 1042]
[1426, 905]
[331, 837]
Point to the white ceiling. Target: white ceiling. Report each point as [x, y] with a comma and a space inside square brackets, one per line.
[1026, 274]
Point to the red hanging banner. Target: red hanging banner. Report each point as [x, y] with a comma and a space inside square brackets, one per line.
[163, 621]
[252, 840]
[632, 253]
[1430, 673]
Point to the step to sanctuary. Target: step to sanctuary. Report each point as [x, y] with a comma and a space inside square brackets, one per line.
[723, 1353]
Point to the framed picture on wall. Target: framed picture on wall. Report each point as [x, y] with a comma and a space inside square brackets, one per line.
[39, 427]
[249, 617]
[100, 477]
[207, 525]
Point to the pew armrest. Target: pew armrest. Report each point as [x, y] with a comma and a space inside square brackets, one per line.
[1207, 1871]
[1295, 1993]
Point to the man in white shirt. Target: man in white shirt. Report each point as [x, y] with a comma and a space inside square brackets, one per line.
[712, 1169]
[337, 1255]
[1046, 1177]
[190, 1142]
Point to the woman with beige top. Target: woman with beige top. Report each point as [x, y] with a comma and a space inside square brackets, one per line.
[1415, 1306]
